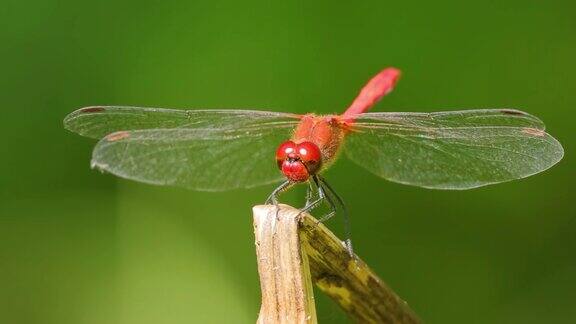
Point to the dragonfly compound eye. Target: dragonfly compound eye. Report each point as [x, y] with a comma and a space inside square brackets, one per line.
[310, 155]
[285, 150]
[298, 161]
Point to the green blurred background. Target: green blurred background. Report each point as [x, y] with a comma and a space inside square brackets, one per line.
[80, 247]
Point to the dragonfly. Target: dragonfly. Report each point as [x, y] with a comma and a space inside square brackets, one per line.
[223, 149]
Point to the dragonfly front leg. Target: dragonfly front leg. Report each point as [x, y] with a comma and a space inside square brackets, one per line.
[273, 198]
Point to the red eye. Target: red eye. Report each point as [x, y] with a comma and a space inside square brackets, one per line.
[285, 149]
[298, 161]
[309, 152]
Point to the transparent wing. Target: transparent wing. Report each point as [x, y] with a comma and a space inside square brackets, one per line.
[452, 150]
[209, 150]
[99, 121]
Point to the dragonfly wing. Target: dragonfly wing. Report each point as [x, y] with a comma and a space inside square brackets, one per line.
[99, 121]
[452, 150]
[199, 159]
[208, 150]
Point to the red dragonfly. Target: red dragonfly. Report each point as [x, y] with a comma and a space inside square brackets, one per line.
[214, 150]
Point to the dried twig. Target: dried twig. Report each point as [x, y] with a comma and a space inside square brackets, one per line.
[294, 250]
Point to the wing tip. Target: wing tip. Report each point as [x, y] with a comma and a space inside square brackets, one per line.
[86, 110]
[91, 109]
[71, 118]
[514, 112]
[522, 114]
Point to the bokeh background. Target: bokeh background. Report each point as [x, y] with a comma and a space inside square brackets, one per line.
[77, 246]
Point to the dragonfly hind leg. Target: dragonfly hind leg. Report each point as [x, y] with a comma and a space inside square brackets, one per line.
[348, 240]
[323, 188]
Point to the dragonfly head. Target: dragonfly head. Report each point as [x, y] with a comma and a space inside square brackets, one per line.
[298, 161]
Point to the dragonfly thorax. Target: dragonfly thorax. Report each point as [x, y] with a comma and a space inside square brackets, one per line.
[298, 161]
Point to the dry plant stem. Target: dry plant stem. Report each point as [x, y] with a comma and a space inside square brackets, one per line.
[287, 242]
[287, 295]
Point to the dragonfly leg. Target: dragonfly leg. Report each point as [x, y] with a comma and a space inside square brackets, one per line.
[273, 198]
[346, 217]
[309, 193]
[313, 204]
[322, 197]
[327, 216]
